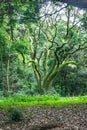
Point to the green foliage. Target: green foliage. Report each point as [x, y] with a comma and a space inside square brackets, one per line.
[71, 81]
[34, 49]
[38, 100]
[1, 93]
[4, 42]
[84, 20]
[15, 114]
[52, 92]
[30, 11]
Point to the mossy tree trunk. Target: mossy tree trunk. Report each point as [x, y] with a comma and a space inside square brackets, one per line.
[49, 58]
[45, 78]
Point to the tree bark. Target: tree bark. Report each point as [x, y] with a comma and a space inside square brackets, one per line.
[7, 77]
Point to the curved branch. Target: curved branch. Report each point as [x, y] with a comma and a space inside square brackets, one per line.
[23, 57]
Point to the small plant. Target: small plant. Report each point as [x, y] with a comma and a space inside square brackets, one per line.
[15, 115]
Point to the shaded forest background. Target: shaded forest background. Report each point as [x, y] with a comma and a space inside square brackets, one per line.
[43, 48]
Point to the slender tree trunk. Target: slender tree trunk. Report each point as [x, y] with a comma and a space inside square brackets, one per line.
[2, 74]
[7, 77]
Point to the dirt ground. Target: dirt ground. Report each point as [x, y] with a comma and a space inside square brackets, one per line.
[73, 117]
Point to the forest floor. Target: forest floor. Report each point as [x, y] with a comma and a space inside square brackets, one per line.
[72, 117]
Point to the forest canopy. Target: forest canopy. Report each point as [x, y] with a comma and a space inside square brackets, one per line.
[43, 48]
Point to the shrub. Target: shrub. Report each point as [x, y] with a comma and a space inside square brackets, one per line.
[15, 115]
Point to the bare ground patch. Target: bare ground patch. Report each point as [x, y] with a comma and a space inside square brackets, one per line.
[73, 117]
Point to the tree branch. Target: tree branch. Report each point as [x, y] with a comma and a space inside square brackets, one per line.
[50, 14]
[23, 57]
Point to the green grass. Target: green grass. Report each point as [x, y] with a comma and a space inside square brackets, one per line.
[41, 100]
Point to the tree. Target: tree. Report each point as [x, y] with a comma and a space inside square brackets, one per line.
[4, 55]
[10, 13]
[53, 44]
[43, 41]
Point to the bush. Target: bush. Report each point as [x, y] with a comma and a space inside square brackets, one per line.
[15, 115]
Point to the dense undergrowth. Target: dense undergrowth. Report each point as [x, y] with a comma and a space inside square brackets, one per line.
[41, 100]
